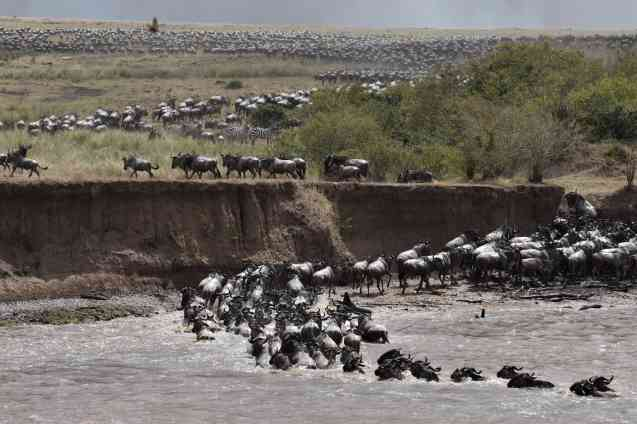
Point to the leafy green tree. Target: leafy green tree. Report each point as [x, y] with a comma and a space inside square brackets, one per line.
[608, 108]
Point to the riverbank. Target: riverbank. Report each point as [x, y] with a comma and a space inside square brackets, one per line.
[100, 306]
[63, 239]
[93, 307]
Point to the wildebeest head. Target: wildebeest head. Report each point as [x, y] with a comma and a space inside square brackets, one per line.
[508, 372]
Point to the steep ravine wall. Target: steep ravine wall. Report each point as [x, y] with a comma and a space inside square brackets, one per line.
[387, 218]
[67, 237]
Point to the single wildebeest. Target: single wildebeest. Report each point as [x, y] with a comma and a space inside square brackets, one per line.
[378, 269]
[137, 164]
[276, 166]
[508, 372]
[201, 164]
[241, 165]
[348, 172]
[181, 161]
[424, 371]
[419, 267]
[20, 162]
[419, 176]
[325, 277]
[301, 167]
[372, 332]
[524, 380]
[462, 374]
[359, 270]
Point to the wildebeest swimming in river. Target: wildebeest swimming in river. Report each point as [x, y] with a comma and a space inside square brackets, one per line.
[137, 164]
[594, 386]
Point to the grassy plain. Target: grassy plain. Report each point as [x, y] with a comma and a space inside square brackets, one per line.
[36, 86]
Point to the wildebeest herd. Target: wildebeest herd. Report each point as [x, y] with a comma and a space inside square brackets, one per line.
[390, 52]
[276, 306]
[336, 167]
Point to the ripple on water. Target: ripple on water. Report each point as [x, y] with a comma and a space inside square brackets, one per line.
[149, 370]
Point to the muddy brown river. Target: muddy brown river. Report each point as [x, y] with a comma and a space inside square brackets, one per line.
[146, 370]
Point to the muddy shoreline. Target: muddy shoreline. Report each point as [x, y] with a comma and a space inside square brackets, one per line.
[91, 308]
[100, 306]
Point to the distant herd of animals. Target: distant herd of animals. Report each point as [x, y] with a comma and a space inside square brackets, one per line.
[340, 168]
[274, 306]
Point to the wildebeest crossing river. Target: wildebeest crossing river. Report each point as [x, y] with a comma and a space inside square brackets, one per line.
[136, 370]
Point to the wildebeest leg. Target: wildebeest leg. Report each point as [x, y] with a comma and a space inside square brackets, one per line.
[150, 173]
[31, 173]
[132, 174]
[12, 171]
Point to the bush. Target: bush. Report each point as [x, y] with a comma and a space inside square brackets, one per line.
[268, 116]
[234, 85]
[514, 73]
[607, 108]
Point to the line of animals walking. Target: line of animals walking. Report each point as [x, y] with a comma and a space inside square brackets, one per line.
[340, 168]
[276, 306]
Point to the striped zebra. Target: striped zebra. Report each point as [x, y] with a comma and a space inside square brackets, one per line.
[236, 133]
[257, 133]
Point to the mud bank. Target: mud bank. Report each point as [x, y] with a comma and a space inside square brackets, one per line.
[390, 218]
[58, 238]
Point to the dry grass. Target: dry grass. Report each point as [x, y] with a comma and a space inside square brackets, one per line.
[58, 84]
[84, 155]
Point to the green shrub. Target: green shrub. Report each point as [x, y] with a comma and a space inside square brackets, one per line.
[267, 116]
[234, 85]
[607, 108]
[616, 153]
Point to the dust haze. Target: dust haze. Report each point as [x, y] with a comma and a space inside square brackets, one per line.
[364, 13]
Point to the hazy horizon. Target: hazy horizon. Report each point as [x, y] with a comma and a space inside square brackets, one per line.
[360, 13]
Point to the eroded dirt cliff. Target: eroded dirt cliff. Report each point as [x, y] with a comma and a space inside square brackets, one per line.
[60, 238]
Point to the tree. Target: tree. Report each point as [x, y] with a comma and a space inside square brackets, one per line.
[608, 108]
[541, 139]
[154, 26]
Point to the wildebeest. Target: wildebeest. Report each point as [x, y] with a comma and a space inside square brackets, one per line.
[349, 172]
[508, 372]
[20, 162]
[241, 165]
[333, 163]
[4, 163]
[419, 267]
[276, 166]
[359, 270]
[137, 164]
[594, 386]
[462, 374]
[419, 176]
[201, 164]
[325, 277]
[525, 380]
[377, 270]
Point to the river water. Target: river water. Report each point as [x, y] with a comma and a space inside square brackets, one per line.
[144, 370]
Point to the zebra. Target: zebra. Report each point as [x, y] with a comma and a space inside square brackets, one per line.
[258, 133]
[236, 133]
